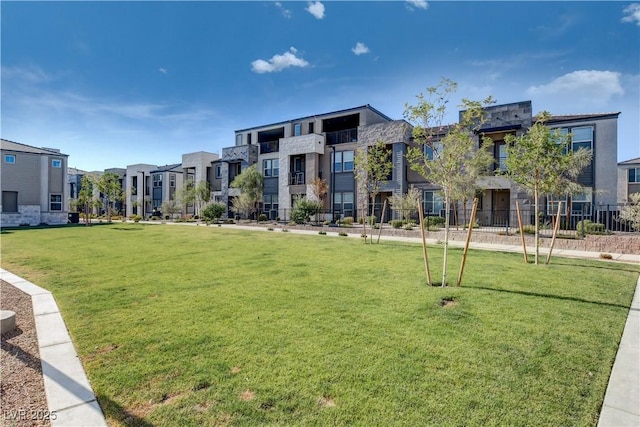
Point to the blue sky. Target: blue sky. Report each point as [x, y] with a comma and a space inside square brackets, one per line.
[118, 83]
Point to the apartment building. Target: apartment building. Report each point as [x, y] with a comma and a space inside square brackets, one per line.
[34, 185]
[628, 179]
[292, 153]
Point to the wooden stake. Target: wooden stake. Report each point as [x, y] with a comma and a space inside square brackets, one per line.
[466, 245]
[555, 231]
[424, 245]
[524, 245]
[384, 209]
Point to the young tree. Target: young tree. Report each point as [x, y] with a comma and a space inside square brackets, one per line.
[631, 212]
[202, 195]
[251, 183]
[109, 185]
[406, 204]
[170, 208]
[319, 189]
[448, 156]
[539, 162]
[372, 169]
[242, 205]
[86, 200]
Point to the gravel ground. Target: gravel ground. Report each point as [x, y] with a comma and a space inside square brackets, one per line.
[22, 398]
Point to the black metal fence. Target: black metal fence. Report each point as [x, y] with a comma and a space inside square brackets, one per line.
[606, 218]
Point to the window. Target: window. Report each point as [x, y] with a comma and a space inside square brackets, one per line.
[270, 202]
[56, 163]
[634, 175]
[343, 161]
[9, 158]
[433, 151]
[433, 203]
[172, 180]
[581, 203]
[297, 129]
[239, 139]
[270, 168]
[582, 137]
[55, 202]
[343, 202]
[310, 127]
[218, 171]
[157, 180]
[10, 201]
[552, 206]
[502, 157]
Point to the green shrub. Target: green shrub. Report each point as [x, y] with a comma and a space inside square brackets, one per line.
[303, 209]
[262, 218]
[347, 220]
[529, 229]
[213, 211]
[587, 226]
[136, 218]
[343, 234]
[433, 221]
[397, 223]
[322, 232]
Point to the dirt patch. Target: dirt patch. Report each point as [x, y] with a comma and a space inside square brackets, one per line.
[247, 395]
[326, 402]
[448, 302]
[235, 370]
[22, 396]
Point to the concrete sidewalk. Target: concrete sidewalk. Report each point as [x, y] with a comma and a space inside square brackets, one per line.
[621, 406]
[70, 397]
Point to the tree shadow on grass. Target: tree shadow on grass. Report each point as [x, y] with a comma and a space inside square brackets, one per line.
[573, 262]
[115, 411]
[551, 296]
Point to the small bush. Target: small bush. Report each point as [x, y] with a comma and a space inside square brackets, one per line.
[270, 228]
[587, 226]
[322, 232]
[433, 221]
[347, 220]
[606, 256]
[396, 223]
[136, 218]
[285, 230]
[529, 229]
[213, 211]
[343, 234]
[262, 218]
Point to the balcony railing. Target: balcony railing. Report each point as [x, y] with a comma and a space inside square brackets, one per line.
[269, 147]
[296, 178]
[342, 136]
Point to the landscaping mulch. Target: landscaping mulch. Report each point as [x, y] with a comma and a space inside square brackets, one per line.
[22, 397]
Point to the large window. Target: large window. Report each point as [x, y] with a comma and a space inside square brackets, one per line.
[343, 161]
[433, 203]
[343, 202]
[270, 202]
[157, 180]
[9, 158]
[582, 137]
[172, 180]
[634, 175]
[581, 203]
[297, 129]
[270, 168]
[55, 202]
[239, 139]
[10, 201]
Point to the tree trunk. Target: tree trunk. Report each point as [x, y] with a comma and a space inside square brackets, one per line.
[446, 237]
[536, 222]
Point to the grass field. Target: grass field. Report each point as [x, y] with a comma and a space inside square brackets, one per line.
[180, 325]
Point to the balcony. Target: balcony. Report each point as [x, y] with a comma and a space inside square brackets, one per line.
[269, 147]
[296, 178]
[342, 136]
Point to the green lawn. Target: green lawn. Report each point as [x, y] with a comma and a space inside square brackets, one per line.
[180, 325]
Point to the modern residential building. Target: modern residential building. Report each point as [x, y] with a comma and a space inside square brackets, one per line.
[198, 167]
[165, 181]
[34, 185]
[628, 179]
[138, 189]
[292, 153]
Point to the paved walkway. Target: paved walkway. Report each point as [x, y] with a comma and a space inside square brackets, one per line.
[69, 393]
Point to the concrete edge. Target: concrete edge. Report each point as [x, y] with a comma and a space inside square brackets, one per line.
[70, 398]
[621, 403]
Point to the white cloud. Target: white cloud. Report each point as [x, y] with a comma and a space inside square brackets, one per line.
[316, 8]
[581, 87]
[360, 49]
[286, 12]
[632, 13]
[163, 70]
[418, 4]
[278, 62]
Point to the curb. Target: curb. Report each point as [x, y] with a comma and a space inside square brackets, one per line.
[69, 394]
